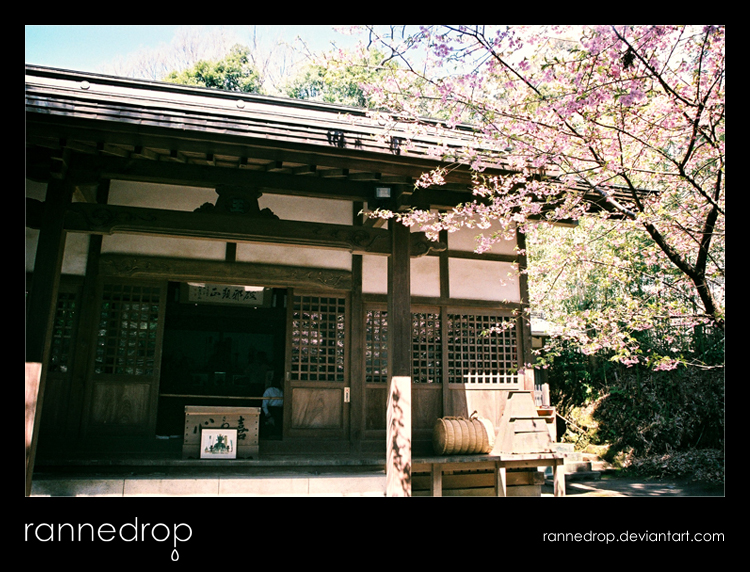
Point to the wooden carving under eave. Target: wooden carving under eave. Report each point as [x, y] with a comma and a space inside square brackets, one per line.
[236, 200]
[421, 245]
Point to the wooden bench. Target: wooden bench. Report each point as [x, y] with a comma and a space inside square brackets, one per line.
[496, 463]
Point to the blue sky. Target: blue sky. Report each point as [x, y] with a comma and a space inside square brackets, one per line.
[88, 48]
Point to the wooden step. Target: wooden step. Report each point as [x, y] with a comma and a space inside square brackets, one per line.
[521, 430]
[598, 464]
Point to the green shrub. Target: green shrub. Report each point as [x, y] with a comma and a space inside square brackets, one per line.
[658, 423]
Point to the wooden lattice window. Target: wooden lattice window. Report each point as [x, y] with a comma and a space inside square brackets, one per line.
[376, 346]
[482, 349]
[318, 338]
[127, 333]
[426, 347]
[426, 351]
[61, 350]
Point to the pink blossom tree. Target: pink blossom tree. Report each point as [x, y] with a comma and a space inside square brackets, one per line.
[629, 119]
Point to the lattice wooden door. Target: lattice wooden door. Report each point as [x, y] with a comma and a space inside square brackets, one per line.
[317, 386]
[124, 375]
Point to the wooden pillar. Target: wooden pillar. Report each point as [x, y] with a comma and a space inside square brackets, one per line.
[436, 481]
[501, 480]
[41, 305]
[445, 294]
[524, 336]
[33, 376]
[89, 315]
[558, 474]
[398, 427]
[357, 348]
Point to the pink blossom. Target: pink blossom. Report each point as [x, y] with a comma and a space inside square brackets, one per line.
[585, 108]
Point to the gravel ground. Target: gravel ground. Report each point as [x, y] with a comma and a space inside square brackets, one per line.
[615, 486]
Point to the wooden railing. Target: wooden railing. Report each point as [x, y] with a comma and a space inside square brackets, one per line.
[505, 380]
[541, 395]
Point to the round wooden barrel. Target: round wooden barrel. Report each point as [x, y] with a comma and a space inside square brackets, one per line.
[462, 436]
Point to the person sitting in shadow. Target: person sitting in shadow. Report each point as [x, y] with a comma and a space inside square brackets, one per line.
[272, 409]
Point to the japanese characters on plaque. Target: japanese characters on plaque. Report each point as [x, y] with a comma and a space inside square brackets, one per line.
[223, 294]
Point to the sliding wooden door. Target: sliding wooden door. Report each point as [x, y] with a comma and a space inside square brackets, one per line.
[316, 396]
[124, 375]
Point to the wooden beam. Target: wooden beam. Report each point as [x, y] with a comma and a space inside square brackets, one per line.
[110, 219]
[44, 125]
[142, 153]
[366, 176]
[357, 414]
[399, 301]
[501, 481]
[305, 170]
[558, 476]
[42, 299]
[524, 338]
[398, 418]
[177, 173]
[231, 252]
[33, 377]
[274, 166]
[436, 480]
[334, 173]
[47, 266]
[177, 156]
[223, 272]
[88, 316]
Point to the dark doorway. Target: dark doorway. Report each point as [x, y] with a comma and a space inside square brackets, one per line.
[220, 352]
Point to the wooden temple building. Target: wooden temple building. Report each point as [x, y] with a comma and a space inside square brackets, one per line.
[186, 248]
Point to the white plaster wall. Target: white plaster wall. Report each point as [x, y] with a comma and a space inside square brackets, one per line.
[148, 195]
[425, 275]
[74, 257]
[374, 274]
[483, 280]
[36, 190]
[465, 240]
[308, 209]
[181, 198]
[76, 245]
[157, 196]
[305, 209]
[32, 237]
[164, 246]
